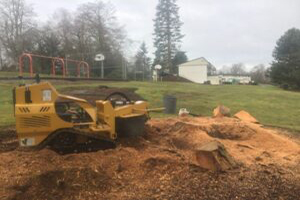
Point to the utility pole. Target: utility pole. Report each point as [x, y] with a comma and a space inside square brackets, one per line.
[124, 68]
[1, 60]
[135, 72]
[144, 63]
[102, 70]
[66, 56]
[157, 68]
[100, 58]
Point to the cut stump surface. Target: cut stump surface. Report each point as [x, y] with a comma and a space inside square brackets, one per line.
[213, 156]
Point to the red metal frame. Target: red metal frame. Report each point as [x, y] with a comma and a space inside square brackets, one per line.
[21, 62]
[54, 60]
[62, 66]
[86, 66]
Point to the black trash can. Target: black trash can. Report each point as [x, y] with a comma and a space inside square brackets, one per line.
[170, 104]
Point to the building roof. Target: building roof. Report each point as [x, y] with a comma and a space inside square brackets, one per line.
[196, 62]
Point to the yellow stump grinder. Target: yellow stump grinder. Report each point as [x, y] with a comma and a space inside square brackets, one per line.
[65, 123]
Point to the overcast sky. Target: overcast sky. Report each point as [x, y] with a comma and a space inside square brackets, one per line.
[224, 32]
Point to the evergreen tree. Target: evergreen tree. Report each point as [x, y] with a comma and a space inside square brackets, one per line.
[285, 69]
[178, 59]
[142, 63]
[167, 34]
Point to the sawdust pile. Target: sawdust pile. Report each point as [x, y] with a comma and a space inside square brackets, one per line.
[245, 116]
[162, 165]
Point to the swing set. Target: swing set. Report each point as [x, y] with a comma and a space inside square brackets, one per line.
[54, 61]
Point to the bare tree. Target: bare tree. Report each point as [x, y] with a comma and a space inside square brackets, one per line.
[82, 39]
[142, 63]
[97, 31]
[1, 57]
[224, 70]
[16, 27]
[64, 28]
[48, 42]
[92, 29]
[238, 69]
[99, 19]
[258, 74]
[211, 70]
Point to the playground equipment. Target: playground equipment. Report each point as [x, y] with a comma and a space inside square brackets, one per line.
[54, 60]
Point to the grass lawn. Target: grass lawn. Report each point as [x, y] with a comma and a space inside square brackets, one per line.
[269, 104]
[14, 74]
[6, 108]
[25, 74]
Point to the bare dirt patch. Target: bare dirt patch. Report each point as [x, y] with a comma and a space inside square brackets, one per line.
[8, 140]
[161, 165]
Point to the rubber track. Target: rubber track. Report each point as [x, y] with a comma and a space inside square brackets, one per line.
[97, 143]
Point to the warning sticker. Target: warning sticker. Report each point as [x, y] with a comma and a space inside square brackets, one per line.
[47, 95]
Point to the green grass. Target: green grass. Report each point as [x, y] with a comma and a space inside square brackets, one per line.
[269, 104]
[12, 74]
[6, 108]
[16, 74]
[9, 74]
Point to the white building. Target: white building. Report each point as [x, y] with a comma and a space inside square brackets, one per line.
[201, 71]
[195, 70]
[215, 80]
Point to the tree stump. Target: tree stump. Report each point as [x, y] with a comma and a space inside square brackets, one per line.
[221, 111]
[213, 156]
